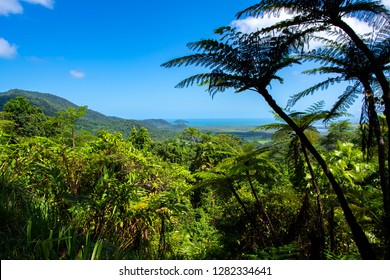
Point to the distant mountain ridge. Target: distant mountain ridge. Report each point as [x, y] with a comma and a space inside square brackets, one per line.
[93, 121]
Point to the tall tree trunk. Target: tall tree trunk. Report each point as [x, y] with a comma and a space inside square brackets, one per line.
[365, 249]
[263, 212]
[73, 138]
[375, 66]
[231, 187]
[315, 186]
[299, 222]
[383, 169]
[319, 237]
[254, 223]
[162, 241]
[332, 225]
[384, 83]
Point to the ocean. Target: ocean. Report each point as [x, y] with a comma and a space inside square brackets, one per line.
[224, 122]
[243, 122]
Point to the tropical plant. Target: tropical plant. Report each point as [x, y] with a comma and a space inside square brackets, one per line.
[338, 131]
[349, 64]
[360, 182]
[245, 176]
[26, 119]
[323, 15]
[296, 156]
[69, 118]
[250, 62]
[140, 139]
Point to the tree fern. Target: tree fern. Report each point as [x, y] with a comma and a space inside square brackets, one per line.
[252, 65]
[306, 11]
[327, 14]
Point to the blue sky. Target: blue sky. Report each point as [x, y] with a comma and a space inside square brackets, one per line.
[107, 55]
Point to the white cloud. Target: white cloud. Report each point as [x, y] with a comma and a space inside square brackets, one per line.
[15, 7]
[46, 3]
[6, 49]
[77, 74]
[10, 7]
[359, 26]
[252, 24]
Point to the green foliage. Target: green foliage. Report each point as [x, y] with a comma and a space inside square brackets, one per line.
[24, 118]
[140, 139]
[341, 131]
[68, 120]
[198, 196]
[93, 121]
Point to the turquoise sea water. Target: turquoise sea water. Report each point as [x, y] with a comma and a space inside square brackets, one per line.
[225, 122]
[254, 122]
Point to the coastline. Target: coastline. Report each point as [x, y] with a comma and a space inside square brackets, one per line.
[220, 122]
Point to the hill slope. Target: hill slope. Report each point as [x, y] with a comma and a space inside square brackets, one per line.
[94, 121]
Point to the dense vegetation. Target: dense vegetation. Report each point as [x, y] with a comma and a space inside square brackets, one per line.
[68, 194]
[195, 196]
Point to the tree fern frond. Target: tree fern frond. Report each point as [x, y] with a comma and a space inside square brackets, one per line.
[320, 86]
[345, 100]
[199, 79]
[209, 45]
[194, 59]
[261, 9]
[372, 12]
[316, 107]
[325, 70]
[271, 126]
[332, 54]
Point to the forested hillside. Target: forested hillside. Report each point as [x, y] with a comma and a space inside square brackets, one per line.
[93, 121]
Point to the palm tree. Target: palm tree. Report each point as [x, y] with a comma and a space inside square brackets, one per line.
[250, 62]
